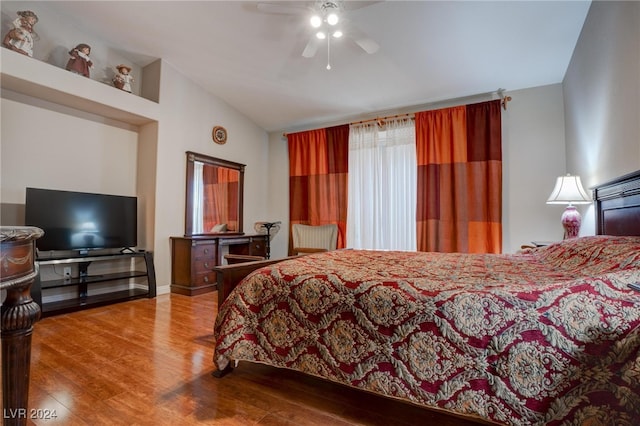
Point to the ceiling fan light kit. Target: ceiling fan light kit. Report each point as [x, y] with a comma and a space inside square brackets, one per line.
[315, 21]
[330, 18]
[321, 35]
[328, 21]
[330, 14]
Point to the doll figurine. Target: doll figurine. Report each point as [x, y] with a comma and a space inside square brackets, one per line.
[123, 78]
[20, 38]
[79, 62]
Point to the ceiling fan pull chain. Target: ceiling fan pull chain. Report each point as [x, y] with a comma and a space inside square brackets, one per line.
[329, 52]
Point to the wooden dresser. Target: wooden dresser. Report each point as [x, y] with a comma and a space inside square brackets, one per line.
[193, 259]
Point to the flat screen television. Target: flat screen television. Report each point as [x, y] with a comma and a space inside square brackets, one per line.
[81, 221]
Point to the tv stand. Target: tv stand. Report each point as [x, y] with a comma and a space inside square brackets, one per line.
[96, 280]
[83, 274]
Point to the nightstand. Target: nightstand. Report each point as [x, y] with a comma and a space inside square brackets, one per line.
[535, 244]
[542, 243]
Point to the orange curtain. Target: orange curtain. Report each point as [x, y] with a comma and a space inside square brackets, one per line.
[459, 154]
[220, 192]
[318, 162]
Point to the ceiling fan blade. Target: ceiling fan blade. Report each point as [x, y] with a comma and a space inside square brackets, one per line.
[367, 44]
[357, 4]
[364, 41]
[282, 8]
[311, 48]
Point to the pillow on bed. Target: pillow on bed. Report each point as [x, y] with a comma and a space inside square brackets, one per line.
[593, 255]
[221, 227]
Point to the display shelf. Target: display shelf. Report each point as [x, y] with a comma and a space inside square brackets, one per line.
[61, 259]
[47, 82]
[91, 279]
[72, 305]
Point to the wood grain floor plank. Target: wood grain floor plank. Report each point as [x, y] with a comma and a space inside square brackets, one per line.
[149, 362]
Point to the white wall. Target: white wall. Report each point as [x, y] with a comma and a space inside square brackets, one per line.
[47, 146]
[533, 157]
[602, 96]
[188, 115]
[278, 202]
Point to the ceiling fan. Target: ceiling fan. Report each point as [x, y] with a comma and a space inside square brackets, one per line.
[328, 19]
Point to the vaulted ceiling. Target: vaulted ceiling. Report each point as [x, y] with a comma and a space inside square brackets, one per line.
[249, 53]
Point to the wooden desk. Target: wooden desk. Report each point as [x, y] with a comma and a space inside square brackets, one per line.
[193, 259]
[19, 313]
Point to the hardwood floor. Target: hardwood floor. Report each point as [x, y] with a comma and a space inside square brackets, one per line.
[149, 362]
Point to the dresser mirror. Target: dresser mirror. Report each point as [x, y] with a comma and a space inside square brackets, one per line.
[214, 195]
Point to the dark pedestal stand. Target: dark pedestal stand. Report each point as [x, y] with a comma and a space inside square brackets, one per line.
[268, 226]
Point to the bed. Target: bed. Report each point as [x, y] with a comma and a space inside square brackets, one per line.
[549, 335]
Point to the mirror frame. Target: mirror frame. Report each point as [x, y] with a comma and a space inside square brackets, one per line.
[188, 211]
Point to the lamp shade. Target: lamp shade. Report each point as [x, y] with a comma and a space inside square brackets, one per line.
[568, 190]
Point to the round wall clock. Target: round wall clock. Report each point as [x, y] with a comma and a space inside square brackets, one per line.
[219, 135]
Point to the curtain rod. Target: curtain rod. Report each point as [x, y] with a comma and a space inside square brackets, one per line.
[381, 120]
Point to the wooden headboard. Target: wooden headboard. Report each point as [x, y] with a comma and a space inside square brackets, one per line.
[618, 206]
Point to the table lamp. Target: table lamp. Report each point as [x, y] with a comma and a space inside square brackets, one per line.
[569, 190]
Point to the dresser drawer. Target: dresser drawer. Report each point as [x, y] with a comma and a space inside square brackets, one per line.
[204, 251]
[258, 247]
[202, 266]
[205, 279]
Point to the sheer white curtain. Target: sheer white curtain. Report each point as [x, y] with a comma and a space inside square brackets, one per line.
[198, 197]
[382, 186]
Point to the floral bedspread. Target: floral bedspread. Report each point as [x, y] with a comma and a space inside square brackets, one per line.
[546, 336]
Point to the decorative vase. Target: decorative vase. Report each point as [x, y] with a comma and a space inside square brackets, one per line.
[571, 221]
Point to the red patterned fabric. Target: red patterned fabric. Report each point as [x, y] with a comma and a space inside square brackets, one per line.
[546, 336]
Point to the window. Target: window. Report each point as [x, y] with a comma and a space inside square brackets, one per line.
[382, 186]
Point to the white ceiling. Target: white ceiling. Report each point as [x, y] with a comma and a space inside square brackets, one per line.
[429, 51]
